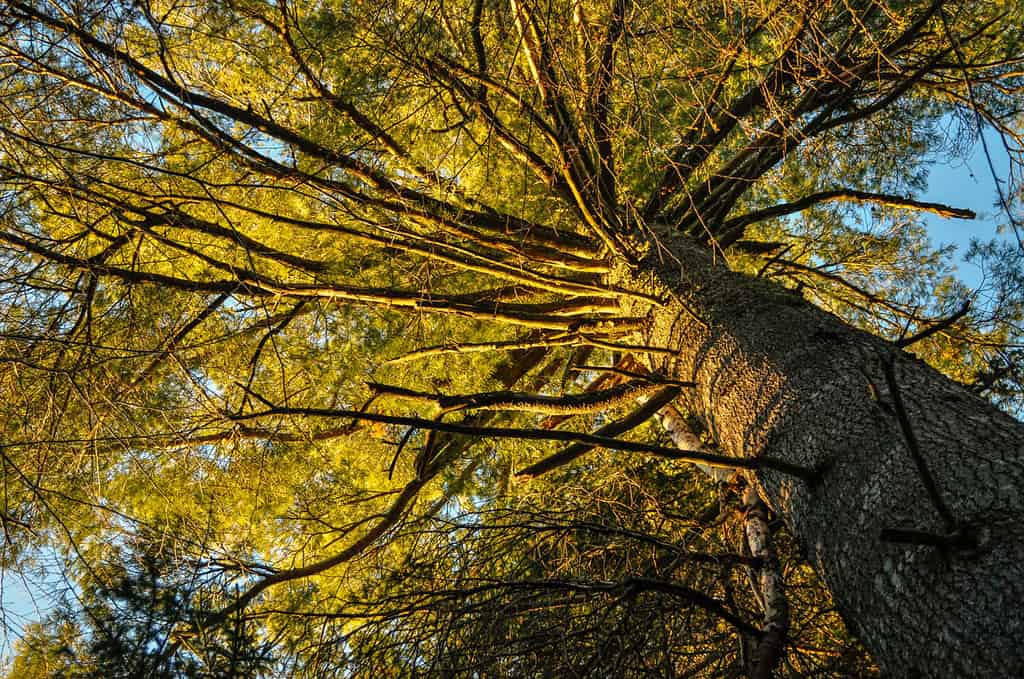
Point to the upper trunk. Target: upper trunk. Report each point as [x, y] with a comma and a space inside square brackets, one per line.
[779, 377]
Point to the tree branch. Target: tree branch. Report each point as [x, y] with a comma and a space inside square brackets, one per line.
[938, 326]
[569, 404]
[733, 228]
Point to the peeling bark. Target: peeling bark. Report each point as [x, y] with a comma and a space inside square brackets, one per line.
[679, 432]
[770, 586]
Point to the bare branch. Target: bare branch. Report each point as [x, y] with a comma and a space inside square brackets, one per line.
[734, 227]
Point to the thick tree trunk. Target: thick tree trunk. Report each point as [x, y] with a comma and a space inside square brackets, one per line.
[779, 377]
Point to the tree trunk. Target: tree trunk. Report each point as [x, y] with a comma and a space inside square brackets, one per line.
[916, 523]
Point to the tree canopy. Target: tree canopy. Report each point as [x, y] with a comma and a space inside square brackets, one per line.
[322, 347]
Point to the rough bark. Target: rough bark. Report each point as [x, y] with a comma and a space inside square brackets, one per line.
[776, 376]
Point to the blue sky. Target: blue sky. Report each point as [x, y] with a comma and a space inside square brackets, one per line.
[968, 183]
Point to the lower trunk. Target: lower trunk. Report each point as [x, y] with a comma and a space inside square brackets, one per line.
[916, 523]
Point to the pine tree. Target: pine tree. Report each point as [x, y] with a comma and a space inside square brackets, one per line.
[287, 286]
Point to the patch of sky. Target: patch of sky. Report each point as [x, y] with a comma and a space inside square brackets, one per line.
[28, 594]
[970, 182]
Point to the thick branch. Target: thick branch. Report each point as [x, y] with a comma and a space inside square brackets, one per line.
[578, 172]
[590, 440]
[631, 421]
[249, 283]
[603, 107]
[570, 404]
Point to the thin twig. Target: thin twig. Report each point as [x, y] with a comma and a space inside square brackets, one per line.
[936, 327]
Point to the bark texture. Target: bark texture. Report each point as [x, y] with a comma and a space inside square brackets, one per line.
[777, 376]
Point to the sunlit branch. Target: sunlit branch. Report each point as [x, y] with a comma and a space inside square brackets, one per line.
[251, 246]
[664, 396]
[602, 105]
[590, 441]
[458, 256]
[483, 347]
[402, 239]
[958, 51]
[442, 67]
[871, 297]
[250, 283]
[375, 131]
[385, 524]
[566, 255]
[601, 340]
[733, 228]
[711, 202]
[180, 336]
[191, 100]
[569, 404]
[578, 170]
[513, 144]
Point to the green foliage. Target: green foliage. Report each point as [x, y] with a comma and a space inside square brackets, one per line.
[223, 225]
[121, 618]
